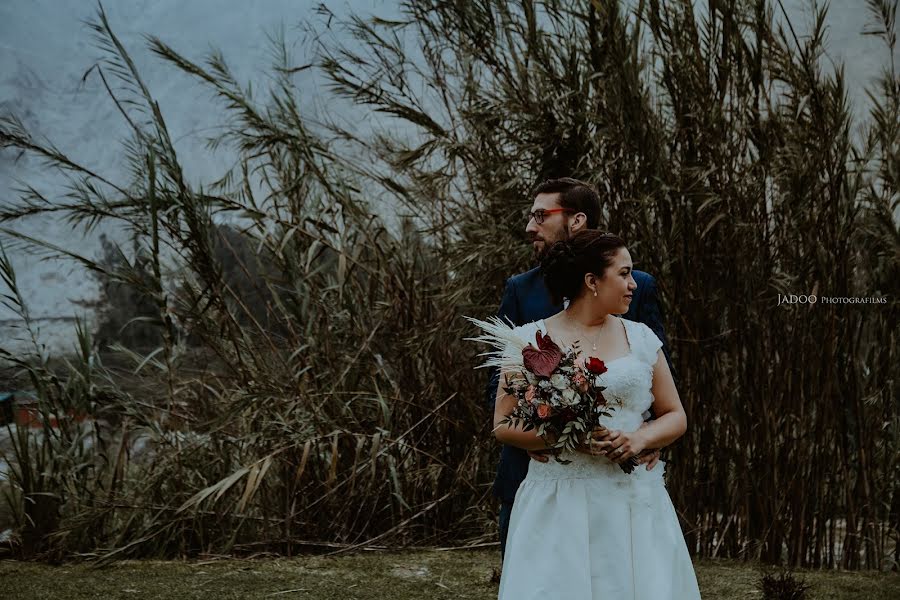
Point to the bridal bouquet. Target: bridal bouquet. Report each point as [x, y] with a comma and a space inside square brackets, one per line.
[557, 394]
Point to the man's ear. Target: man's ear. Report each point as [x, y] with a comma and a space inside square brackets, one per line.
[578, 222]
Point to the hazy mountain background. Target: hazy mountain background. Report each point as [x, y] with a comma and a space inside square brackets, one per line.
[45, 50]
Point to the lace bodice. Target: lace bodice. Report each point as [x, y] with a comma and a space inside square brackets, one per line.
[628, 381]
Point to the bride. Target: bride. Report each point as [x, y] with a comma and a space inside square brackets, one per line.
[586, 529]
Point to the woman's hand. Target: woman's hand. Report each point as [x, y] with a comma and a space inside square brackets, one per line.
[618, 446]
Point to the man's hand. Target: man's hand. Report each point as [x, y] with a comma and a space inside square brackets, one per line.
[650, 457]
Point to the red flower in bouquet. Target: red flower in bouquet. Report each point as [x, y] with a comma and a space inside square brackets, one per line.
[595, 366]
[543, 411]
[543, 360]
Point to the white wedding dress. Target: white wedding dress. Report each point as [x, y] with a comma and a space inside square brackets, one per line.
[588, 531]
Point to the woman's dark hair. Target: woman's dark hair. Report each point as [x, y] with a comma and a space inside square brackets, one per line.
[577, 196]
[567, 262]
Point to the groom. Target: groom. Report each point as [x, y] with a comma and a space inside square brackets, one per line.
[561, 207]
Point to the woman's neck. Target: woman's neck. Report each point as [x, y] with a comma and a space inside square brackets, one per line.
[581, 313]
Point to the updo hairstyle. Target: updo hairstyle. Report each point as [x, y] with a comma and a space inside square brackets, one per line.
[567, 261]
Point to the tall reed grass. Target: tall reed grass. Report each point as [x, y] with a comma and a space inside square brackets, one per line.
[339, 408]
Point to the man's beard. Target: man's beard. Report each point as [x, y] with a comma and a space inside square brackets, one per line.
[540, 253]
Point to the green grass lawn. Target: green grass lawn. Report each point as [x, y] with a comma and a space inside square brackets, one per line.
[423, 574]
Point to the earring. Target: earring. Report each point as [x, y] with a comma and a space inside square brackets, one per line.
[595, 292]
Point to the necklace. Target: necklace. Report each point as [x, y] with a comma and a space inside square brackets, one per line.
[599, 331]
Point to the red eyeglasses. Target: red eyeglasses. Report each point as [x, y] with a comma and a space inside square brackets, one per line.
[540, 214]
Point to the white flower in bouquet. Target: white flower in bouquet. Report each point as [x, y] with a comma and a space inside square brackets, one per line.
[559, 381]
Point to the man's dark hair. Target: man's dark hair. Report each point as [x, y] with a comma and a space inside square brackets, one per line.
[575, 195]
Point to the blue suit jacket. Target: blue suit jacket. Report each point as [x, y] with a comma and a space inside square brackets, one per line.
[525, 300]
